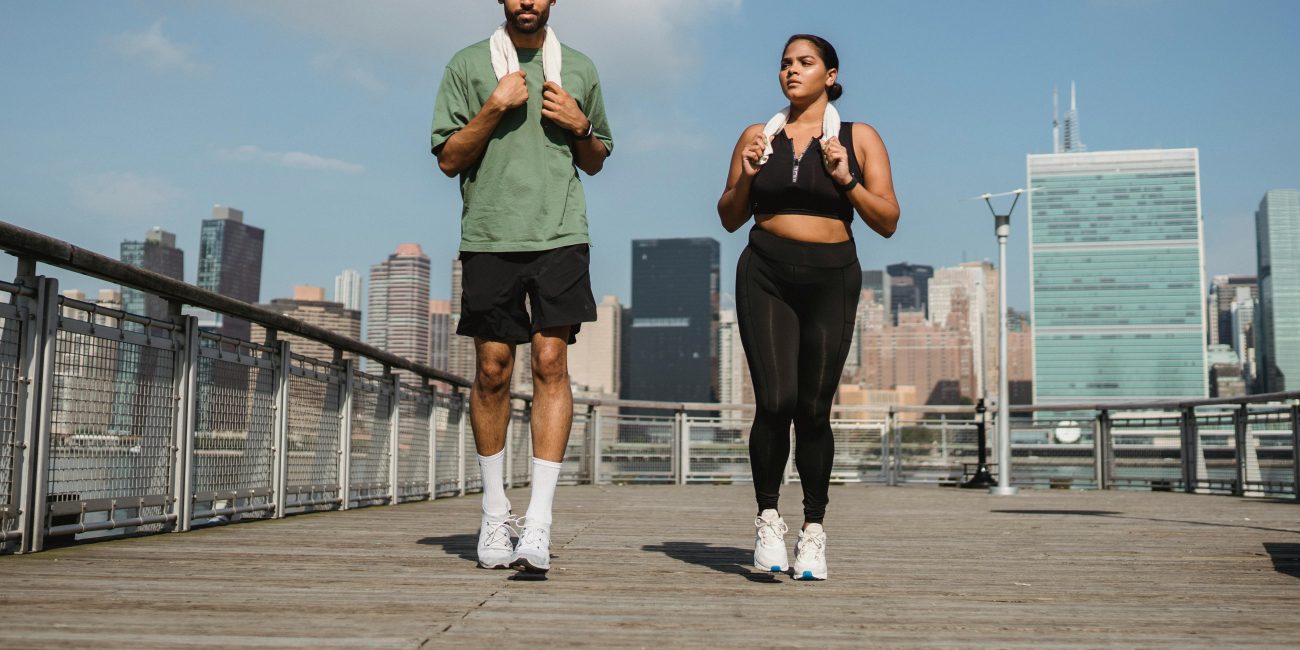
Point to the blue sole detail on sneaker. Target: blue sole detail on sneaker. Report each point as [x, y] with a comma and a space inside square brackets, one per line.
[776, 568]
[807, 575]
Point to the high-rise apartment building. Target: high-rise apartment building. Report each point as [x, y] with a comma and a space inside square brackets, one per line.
[440, 333]
[1277, 320]
[230, 263]
[308, 305]
[915, 352]
[460, 349]
[157, 253]
[966, 297]
[347, 289]
[398, 311]
[672, 344]
[595, 361]
[1117, 262]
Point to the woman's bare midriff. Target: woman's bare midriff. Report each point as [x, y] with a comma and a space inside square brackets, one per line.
[804, 227]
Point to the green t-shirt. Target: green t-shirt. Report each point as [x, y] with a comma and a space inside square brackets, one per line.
[524, 194]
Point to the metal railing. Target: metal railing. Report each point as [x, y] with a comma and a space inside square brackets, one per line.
[112, 423]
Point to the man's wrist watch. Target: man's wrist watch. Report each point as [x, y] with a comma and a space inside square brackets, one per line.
[587, 135]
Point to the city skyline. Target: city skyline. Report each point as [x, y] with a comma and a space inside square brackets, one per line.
[165, 70]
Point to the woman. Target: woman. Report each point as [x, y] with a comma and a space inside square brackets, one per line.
[797, 283]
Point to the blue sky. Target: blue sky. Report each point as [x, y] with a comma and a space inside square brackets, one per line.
[313, 116]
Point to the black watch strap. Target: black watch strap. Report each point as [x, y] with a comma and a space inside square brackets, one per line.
[847, 187]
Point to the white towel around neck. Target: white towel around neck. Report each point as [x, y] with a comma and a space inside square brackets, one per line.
[505, 59]
[830, 128]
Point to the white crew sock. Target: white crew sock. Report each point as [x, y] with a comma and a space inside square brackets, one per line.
[545, 475]
[493, 468]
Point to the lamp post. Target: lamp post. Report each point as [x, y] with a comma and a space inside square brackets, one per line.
[1002, 228]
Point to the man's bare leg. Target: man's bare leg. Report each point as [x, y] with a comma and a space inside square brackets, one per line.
[552, 417]
[489, 413]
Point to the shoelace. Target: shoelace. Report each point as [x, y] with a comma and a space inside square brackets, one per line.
[499, 533]
[534, 536]
[770, 531]
[813, 545]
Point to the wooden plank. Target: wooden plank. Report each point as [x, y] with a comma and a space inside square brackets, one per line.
[667, 566]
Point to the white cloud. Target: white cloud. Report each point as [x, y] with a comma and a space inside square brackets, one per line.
[350, 69]
[154, 49]
[126, 195]
[648, 42]
[294, 159]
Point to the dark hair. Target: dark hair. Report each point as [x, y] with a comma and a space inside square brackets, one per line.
[829, 57]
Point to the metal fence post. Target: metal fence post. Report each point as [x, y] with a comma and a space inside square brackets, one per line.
[394, 435]
[1191, 448]
[593, 445]
[1239, 449]
[460, 445]
[1098, 464]
[36, 347]
[44, 339]
[1295, 450]
[683, 446]
[283, 359]
[887, 447]
[187, 370]
[433, 439]
[346, 387]
[1105, 461]
[509, 452]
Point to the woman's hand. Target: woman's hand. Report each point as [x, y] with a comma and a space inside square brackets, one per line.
[752, 154]
[836, 159]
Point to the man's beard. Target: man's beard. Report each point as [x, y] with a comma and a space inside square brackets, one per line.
[538, 24]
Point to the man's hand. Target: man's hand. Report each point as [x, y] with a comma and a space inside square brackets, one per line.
[511, 91]
[559, 106]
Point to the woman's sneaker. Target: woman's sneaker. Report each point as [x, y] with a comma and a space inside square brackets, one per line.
[769, 542]
[495, 548]
[533, 553]
[810, 554]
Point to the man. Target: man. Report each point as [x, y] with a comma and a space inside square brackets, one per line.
[515, 115]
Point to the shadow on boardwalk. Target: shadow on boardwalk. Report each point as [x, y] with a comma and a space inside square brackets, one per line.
[724, 559]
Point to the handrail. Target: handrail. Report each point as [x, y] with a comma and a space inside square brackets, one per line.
[26, 243]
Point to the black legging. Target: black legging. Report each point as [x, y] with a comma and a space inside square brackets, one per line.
[796, 303]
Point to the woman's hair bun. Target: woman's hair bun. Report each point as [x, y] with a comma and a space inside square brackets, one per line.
[835, 91]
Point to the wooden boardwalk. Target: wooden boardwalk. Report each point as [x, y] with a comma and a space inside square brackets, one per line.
[667, 566]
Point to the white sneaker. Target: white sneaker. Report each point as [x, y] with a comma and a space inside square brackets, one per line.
[533, 553]
[495, 548]
[810, 554]
[769, 542]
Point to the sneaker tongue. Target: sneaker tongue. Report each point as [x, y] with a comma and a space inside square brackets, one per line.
[813, 529]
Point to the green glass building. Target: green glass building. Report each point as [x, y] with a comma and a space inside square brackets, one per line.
[1117, 257]
[1277, 233]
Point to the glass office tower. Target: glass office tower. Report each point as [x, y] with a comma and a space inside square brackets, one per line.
[1117, 256]
[1277, 337]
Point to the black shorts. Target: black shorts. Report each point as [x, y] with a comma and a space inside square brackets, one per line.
[494, 286]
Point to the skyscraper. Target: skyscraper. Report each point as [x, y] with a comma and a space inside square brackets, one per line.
[440, 333]
[1067, 140]
[966, 297]
[1117, 261]
[595, 361]
[398, 311]
[1277, 321]
[347, 289]
[460, 349]
[230, 263]
[735, 385]
[672, 343]
[909, 288]
[157, 253]
[1223, 292]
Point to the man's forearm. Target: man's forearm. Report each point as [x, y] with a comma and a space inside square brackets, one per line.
[590, 155]
[466, 146]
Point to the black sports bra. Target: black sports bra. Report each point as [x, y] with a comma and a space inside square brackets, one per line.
[782, 187]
